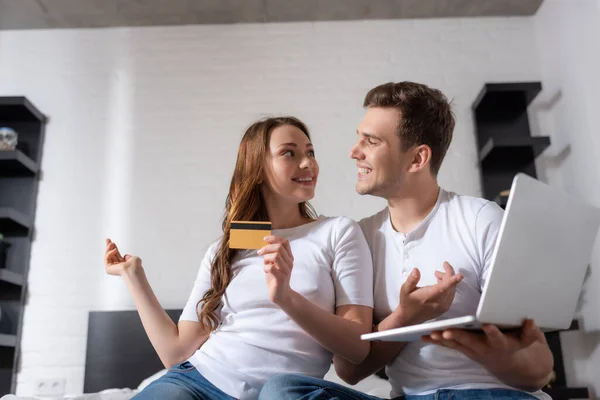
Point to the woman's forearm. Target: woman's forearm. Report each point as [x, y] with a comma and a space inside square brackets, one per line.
[161, 330]
[337, 334]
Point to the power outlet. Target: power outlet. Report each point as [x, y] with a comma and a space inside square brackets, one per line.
[50, 387]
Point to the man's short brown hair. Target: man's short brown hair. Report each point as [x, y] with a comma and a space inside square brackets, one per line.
[426, 116]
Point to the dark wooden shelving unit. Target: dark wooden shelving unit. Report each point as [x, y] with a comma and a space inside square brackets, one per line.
[506, 148]
[19, 176]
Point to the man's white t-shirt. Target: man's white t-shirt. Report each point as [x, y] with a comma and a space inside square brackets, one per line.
[461, 230]
[256, 339]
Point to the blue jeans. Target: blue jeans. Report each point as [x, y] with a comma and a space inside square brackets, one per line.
[298, 387]
[182, 382]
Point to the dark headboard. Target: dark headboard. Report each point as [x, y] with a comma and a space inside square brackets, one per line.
[119, 354]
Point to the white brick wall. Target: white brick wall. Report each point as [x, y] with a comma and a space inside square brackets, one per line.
[145, 125]
[567, 35]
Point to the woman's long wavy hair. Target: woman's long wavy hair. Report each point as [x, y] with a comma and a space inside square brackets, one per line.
[244, 203]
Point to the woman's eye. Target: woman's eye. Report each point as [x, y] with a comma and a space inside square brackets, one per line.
[311, 153]
[288, 153]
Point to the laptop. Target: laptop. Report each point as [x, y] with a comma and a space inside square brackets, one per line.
[538, 265]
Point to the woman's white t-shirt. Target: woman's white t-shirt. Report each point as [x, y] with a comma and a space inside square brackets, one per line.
[256, 339]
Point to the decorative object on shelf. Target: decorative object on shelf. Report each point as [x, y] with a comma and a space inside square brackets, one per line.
[3, 251]
[502, 198]
[8, 139]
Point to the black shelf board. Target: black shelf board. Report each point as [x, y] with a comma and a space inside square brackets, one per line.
[18, 108]
[492, 92]
[11, 277]
[512, 150]
[12, 222]
[7, 340]
[560, 393]
[16, 163]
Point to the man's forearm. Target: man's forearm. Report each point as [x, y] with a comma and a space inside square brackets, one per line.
[380, 354]
[530, 368]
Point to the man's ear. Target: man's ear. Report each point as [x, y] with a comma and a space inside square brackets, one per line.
[421, 157]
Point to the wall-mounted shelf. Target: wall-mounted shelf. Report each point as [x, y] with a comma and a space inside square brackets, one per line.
[7, 340]
[18, 108]
[505, 100]
[509, 151]
[16, 163]
[13, 223]
[11, 278]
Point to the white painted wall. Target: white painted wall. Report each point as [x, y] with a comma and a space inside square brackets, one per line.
[568, 38]
[145, 125]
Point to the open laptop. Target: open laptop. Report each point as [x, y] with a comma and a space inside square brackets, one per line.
[538, 265]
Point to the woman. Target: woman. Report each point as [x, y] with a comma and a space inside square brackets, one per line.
[282, 309]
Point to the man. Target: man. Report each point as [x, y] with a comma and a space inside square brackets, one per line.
[423, 234]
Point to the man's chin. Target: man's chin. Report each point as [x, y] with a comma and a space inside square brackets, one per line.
[362, 190]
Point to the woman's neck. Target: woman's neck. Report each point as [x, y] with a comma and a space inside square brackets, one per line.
[283, 216]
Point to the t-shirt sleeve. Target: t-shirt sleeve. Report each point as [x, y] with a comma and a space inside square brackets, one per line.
[352, 266]
[487, 228]
[201, 285]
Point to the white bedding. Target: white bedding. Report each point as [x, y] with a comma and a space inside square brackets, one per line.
[372, 385]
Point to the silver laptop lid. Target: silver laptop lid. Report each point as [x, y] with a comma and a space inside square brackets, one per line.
[541, 256]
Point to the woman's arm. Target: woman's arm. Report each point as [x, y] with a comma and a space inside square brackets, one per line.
[339, 333]
[352, 274]
[173, 343]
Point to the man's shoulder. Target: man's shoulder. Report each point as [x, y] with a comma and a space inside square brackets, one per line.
[373, 222]
[469, 207]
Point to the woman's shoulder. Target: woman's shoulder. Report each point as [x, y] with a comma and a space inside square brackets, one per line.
[339, 225]
[339, 220]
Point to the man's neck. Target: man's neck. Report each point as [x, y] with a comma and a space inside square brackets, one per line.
[410, 207]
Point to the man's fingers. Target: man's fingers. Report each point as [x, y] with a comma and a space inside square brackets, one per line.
[449, 284]
[530, 334]
[448, 269]
[450, 344]
[474, 342]
[411, 282]
[495, 336]
[439, 275]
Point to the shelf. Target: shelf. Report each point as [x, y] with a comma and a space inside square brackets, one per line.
[19, 109]
[13, 223]
[512, 151]
[494, 95]
[15, 163]
[7, 340]
[560, 393]
[10, 277]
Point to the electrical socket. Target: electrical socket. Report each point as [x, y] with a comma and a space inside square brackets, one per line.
[50, 387]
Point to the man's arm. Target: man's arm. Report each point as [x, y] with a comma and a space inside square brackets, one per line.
[417, 304]
[522, 360]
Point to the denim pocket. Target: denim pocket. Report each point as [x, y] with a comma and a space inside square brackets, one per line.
[183, 367]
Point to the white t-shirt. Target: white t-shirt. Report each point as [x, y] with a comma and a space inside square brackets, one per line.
[461, 230]
[256, 339]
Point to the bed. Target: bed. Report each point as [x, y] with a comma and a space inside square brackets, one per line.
[120, 360]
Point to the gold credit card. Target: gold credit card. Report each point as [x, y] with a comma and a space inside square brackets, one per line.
[248, 234]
